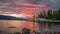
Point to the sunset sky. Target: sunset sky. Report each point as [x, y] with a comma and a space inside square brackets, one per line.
[31, 7]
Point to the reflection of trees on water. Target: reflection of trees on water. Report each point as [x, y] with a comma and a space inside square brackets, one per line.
[26, 31]
[17, 33]
[49, 31]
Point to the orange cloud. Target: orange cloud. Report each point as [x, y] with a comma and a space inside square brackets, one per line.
[28, 8]
[30, 4]
[35, 5]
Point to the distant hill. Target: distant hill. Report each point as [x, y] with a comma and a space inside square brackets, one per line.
[2, 17]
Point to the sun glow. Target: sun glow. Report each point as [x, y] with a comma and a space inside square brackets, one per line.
[18, 15]
[15, 15]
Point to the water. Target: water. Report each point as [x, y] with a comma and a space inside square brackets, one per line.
[12, 26]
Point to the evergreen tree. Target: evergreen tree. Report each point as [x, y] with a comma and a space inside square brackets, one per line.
[53, 16]
[49, 14]
[58, 15]
[41, 15]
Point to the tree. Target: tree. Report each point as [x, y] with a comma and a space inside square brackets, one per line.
[49, 14]
[41, 15]
[58, 15]
[53, 16]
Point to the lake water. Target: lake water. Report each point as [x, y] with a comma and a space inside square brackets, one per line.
[12, 26]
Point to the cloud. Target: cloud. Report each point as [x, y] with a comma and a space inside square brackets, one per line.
[49, 3]
[5, 0]
[24, 5]
[29, 7]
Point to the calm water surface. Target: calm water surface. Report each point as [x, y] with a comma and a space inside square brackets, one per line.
[11, 26]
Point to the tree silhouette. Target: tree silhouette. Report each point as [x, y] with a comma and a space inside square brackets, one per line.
[53, 16]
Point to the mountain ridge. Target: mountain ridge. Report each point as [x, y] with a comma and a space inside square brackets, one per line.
[3, 17]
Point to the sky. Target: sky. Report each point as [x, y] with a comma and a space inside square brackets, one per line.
[49, 3]
[31, 7]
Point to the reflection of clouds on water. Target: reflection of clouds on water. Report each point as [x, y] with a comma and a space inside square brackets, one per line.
[19, 25]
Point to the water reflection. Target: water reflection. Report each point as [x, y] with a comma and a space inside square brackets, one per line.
[12, 26]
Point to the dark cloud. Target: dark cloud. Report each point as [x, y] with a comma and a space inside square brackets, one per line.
[5, 0]
[33, 1]
[49, 3]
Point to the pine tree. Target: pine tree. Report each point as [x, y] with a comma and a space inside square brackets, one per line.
[49, 13]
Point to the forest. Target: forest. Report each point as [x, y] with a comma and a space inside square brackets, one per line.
[52, 15]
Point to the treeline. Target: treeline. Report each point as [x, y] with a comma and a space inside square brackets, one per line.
[54, 15]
